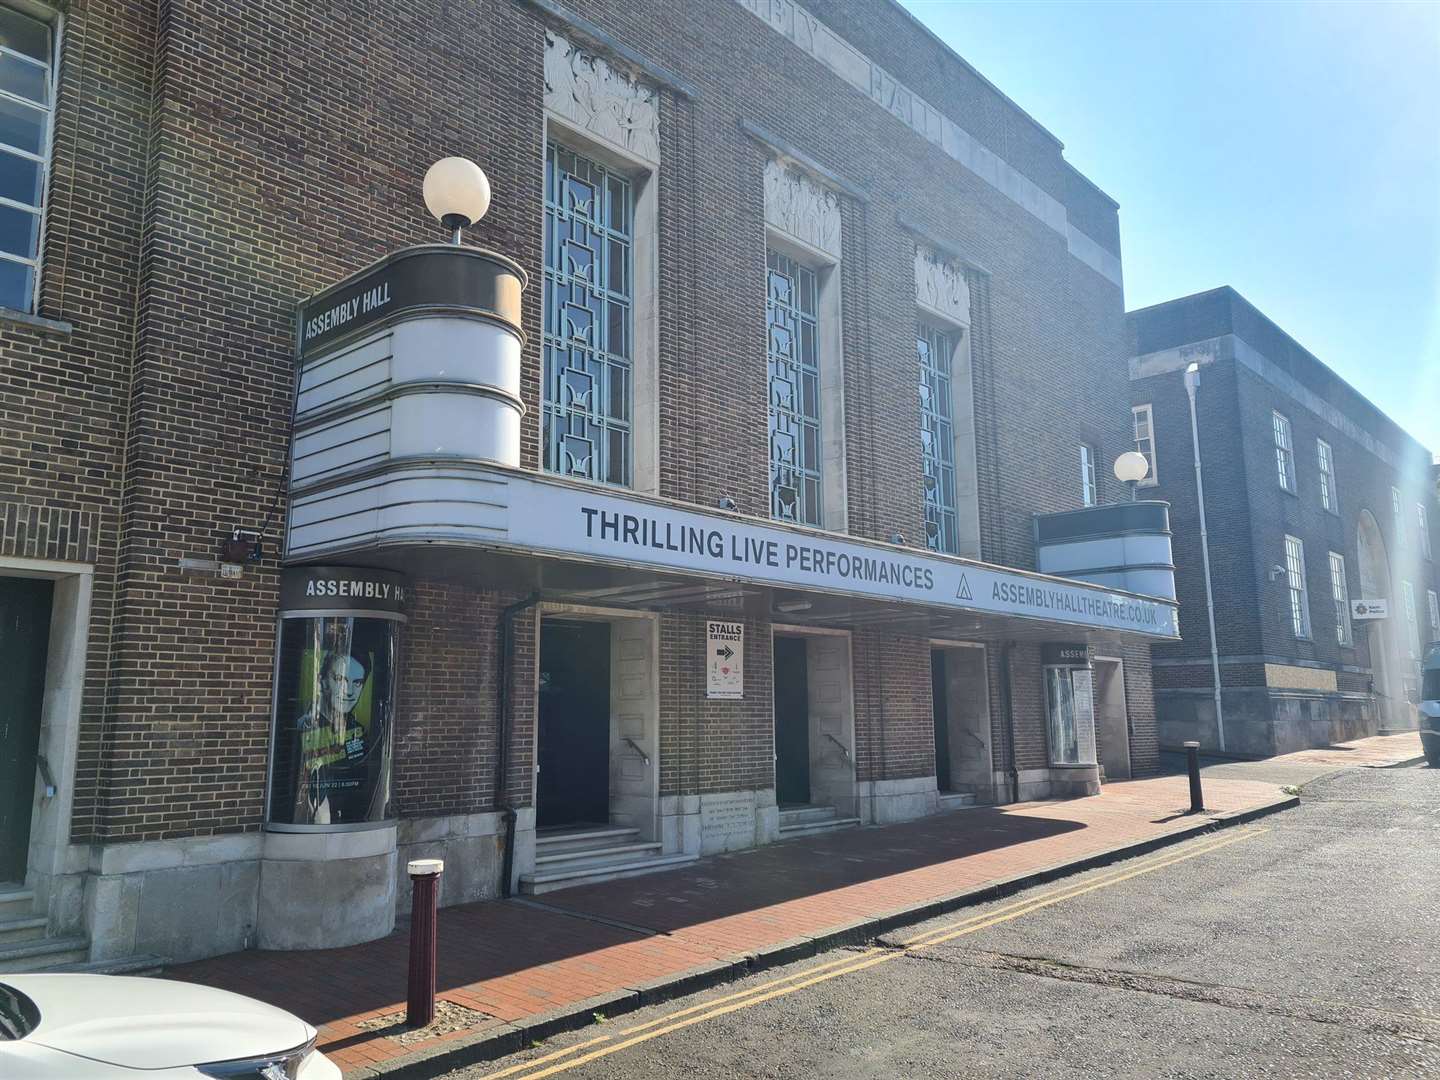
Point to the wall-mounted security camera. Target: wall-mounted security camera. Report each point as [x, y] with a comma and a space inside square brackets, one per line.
[725, 502]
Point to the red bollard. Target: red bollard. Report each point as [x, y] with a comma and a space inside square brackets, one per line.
[425, 900]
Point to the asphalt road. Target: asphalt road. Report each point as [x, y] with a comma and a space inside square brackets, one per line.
[1304, 945]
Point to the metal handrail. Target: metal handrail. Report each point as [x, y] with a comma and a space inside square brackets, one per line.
[843, 748]
[631, 743]
[46, 775]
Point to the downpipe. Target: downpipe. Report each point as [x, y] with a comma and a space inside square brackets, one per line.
[502, 750]
[1007, 705]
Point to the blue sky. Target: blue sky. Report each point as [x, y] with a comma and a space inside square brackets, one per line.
[1291, 150]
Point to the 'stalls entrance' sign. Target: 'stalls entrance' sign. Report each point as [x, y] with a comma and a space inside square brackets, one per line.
[724, 660]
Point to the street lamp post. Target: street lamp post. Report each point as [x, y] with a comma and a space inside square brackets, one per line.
[1192, 382]
[457, 192]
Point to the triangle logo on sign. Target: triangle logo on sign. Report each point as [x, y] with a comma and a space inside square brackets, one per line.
[963, 593]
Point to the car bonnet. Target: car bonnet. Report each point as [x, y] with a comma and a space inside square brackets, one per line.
[154, 1023]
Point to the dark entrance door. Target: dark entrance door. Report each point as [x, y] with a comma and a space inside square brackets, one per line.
[938, 682]
[24, 638]
[792, 722]
[574, 739]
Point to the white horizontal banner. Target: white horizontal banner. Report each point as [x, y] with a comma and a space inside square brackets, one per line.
[558, 518]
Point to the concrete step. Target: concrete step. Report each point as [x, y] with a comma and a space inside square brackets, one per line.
[29, 956]
[565, 860]
[16, 902]
[587, 839]
[810, 828]
[550, 880]
[956, 800]
[130, 965]
[28, 928]
[804, 815]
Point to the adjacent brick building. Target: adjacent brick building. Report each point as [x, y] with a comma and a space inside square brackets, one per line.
[1316, 502]
[745, 239]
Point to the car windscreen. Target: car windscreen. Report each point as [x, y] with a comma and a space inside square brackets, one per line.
[18, 1014]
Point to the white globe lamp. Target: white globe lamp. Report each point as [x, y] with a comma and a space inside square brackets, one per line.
[457, 193]
[1130, 468]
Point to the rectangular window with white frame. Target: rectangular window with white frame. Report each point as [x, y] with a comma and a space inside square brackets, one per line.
[1295, 577]
[1144, 421]
[1424, 523]
[1284, 451]
[1325, 459]
[1433, 603]
[1340, 592]
[1089, 490]
[1412, 618]
[1397, 515]
[27, 93]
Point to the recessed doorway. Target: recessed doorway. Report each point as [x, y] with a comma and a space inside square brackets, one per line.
[25, 605]
[573, 743]
[792, 723]
[960, 697]
[1112, 719]
[814, 728]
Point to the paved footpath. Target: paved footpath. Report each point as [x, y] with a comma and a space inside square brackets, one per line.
[515, 971]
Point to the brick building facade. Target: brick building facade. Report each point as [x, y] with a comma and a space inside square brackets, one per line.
[1315, 502]
[207, 167]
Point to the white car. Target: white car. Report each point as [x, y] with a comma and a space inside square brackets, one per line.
[105, 1027]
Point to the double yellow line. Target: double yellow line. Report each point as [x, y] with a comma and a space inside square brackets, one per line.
[605, 1045]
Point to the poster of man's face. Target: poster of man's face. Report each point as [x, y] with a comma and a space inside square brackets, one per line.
[342, 683]
[331, 744]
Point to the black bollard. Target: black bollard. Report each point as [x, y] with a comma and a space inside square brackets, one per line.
[425, 900]
[1192, 762]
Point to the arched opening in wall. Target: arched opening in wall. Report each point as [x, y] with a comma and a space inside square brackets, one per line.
[1375, 585]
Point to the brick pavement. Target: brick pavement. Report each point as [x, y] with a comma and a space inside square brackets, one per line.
[513, 960]
[1378, 751]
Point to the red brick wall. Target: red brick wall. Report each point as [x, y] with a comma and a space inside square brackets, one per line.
[217, 161]
[894, 717]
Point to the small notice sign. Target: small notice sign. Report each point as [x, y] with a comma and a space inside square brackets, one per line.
[724, 660]
[1370, 609]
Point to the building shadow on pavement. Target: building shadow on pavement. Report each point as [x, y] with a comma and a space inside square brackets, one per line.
[719, 907]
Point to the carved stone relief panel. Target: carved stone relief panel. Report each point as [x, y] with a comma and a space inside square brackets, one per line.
[601, 101]
[802, 209]
[941, 288]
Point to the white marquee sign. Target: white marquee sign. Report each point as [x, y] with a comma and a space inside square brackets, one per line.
[557, 518]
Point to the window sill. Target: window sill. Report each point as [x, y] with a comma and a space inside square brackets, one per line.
[35, 322]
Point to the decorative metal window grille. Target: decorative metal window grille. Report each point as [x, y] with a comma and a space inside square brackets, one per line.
[588, 391]
[792, 346]
[936, 349]
[1327, 476]
[1087, 475]
[1145, 441]
[1295, 572]
[1284, 451]
[1424, 529]
[26, 105]
[1340, 592]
